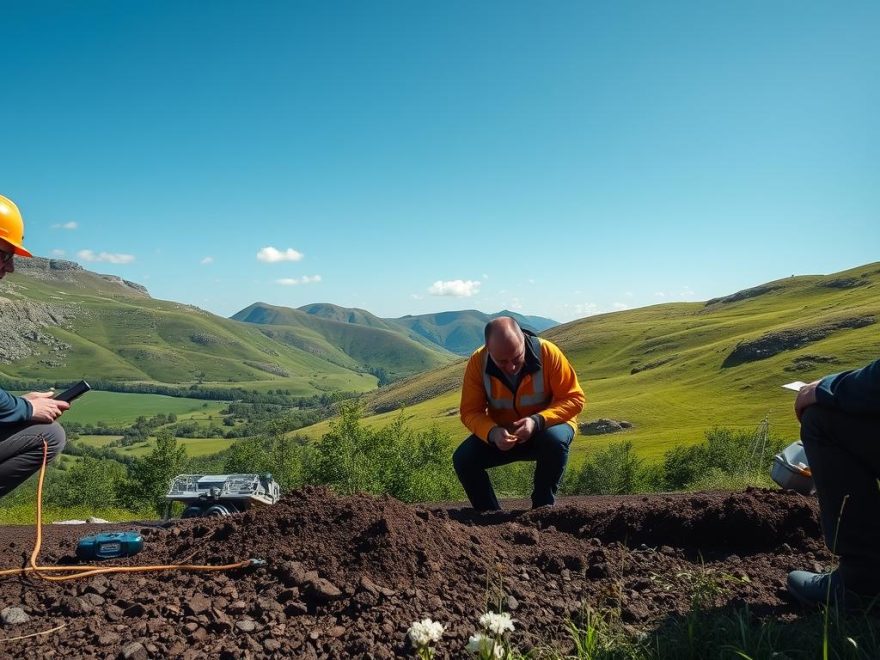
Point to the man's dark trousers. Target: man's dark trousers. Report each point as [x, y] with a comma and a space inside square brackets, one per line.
[21, 451]
[844, 455]
[548, 448]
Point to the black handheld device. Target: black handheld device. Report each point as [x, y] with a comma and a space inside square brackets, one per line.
[70, 394]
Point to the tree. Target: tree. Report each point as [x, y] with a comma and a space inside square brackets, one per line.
[88, 482]
[149, 477]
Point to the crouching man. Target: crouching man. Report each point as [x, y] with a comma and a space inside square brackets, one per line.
[520, 399]
[840, 429]
[27, 420]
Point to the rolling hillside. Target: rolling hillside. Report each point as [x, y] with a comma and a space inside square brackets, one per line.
[459, 332]
[61, 323]
[351, 344]
[674, 370]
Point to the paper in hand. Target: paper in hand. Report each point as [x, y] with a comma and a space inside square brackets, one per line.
[796, 385]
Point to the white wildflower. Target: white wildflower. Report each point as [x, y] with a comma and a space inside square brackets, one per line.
[425, 632]
[497, 624]
[484, 646]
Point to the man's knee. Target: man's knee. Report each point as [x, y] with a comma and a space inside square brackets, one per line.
[556, 440]
[54, 436]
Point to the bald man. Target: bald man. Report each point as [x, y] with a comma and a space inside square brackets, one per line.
[520, 399]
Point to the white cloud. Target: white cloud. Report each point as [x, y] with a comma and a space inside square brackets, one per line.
[58, 253]
[515, 304]
[628, 294]
[659, 294]
[585, 309]
[531, 281]
[687, 292]
[66, 225]
[455, 288]
[271, 255]
[485, 276]
[619, 306]
[108, 257]
[293, 281]
[416, 296]
[207, 260]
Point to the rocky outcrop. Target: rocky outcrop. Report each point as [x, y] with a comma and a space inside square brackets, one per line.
[744, 294]
[268, 368]
[773, 343]
[603, 426]
[845, 283]
[808, 362]
[23, 325]
[67, 271]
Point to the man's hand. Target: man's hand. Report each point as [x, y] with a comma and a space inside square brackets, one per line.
[45, 408]
[806, 397]
[524, 428]
[499, 437]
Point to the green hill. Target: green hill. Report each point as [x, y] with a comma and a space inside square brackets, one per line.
[372, 347]
[674, 370]
[61, 323]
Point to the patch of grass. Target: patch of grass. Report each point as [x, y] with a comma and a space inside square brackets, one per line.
[117, 408]
[25, 514]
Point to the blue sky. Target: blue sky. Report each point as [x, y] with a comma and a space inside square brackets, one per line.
[559, 158]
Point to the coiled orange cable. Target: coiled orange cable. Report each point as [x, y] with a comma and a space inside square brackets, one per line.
[86, 571]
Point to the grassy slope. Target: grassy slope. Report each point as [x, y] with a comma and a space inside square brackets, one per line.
[676, 402]
[119, 334]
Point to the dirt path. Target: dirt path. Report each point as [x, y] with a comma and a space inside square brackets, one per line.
[347, 575]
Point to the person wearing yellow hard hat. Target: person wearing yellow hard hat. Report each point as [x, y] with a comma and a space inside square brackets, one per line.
[25, 421]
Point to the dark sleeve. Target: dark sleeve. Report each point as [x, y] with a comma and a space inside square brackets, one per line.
[856, 391]
[13, 408]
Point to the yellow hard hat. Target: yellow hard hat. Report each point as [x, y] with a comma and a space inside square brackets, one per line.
[12, 226]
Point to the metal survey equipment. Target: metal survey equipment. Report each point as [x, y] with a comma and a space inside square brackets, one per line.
[217, 495]
[791, 469]
[109, 545]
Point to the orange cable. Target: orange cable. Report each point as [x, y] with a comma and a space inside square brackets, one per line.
[85, 571]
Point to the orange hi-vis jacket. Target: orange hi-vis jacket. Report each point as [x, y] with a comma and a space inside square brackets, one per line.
[548, 387]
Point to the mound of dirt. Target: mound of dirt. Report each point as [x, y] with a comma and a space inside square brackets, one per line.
[346, 576]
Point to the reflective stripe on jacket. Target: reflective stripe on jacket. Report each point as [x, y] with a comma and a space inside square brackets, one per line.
[548, 387]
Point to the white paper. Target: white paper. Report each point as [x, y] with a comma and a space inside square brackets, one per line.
[796, 385]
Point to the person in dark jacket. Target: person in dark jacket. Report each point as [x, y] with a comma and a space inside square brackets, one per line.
[840, 429]
[25, 421]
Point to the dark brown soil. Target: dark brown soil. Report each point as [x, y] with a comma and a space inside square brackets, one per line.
[347, 575]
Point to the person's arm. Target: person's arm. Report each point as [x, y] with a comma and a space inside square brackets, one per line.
[856, 391]
[568, 397]
[14, 408]
[474, 406]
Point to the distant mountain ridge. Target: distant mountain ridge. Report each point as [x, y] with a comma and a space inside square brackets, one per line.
[460, 332]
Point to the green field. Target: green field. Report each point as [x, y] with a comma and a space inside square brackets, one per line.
[194, 446]
[118, 408]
